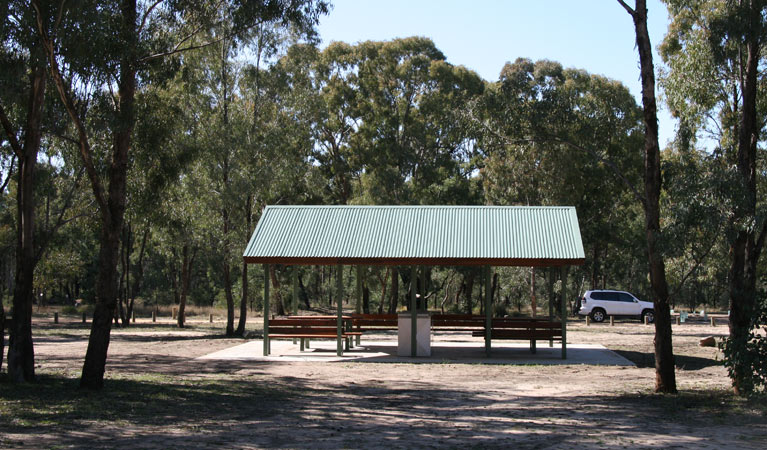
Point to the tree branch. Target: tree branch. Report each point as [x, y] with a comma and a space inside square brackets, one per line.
[697, 264]
[177, 48]
[60, 221]
[66, 98]
[147, 13]
[628, 9]
[10, 133]
[591, 152]
[639, 197]
[759, 241]
[10, 173]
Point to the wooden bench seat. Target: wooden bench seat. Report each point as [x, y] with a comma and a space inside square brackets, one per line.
[521, 334]
[372, 322]
[310, 336]
[306, 328]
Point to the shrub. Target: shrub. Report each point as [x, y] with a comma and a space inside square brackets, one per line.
[750, 355]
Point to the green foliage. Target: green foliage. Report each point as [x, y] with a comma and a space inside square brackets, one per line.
[750, 353]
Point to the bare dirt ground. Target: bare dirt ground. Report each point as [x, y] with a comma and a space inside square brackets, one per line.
[158, 396]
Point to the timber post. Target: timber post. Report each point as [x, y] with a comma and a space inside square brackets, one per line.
[55, 317]
[551, 303]
[563, 312]
[358, 305]
[294, 286]
[488, 310]
[266, 309]
[339, 310]
[413, 312]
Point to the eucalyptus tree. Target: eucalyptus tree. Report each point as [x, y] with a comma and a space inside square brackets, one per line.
[141, 41]
[714, 50]
[411, 137]
[555, 136]
[325, 93]
[30, 124]
[665, 377]
[24, 85]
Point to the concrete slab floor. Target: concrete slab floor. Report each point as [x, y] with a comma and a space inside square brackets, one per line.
[441, 352]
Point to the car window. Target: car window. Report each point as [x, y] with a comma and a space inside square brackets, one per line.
[626, 297]
[605, 296]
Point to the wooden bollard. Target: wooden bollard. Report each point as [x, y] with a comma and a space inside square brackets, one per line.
[646, 320]
[84, 317]
[713, 322]
[173, 313]
[133, 316]
[55, 317]
[588, 320]
[678, 320]
[211, 318]
[612, 321]
[154, 316]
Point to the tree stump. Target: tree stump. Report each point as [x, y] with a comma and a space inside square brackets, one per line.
[708, 342]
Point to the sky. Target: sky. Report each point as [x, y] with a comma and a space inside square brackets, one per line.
[482, 35]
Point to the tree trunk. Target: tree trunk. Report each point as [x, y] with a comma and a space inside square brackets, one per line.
[303, 293]
[121, 297]
[21, 356]
[112, 217]
[533, 301]
[469, 291]
[186, 274]
[746, 247]
[277, 295]
[244, 298]
[139, 272]
[665, 378]
[2, 334]
[384, 282]
[494, 289]
[394, 294]
[366, 299]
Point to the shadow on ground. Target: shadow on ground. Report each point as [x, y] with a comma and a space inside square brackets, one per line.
[254, 410]
[644, 360]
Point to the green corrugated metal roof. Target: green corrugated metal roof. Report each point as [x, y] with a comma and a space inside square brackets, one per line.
[433, 235]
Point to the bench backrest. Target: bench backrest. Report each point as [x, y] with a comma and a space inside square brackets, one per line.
[302, 323]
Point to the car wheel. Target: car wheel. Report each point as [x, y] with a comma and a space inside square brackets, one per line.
[648, 315]
[598, 315]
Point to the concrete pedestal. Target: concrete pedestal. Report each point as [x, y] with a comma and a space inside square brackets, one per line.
[423, 334]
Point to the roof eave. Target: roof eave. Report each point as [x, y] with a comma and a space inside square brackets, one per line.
[331, 261]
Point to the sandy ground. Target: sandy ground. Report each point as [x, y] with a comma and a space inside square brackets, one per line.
[385, 405]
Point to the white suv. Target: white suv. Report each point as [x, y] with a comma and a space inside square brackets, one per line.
[603, 303]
